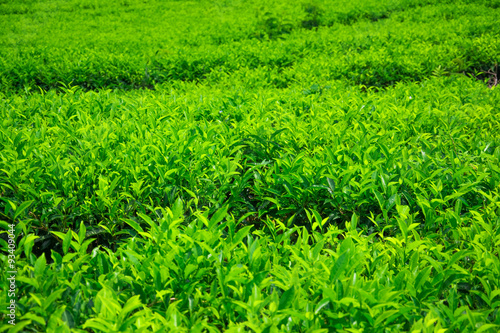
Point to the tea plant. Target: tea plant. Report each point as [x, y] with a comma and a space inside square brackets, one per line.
[309, 167]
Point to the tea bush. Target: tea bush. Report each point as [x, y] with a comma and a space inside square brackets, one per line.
[131, 45]
[250, 166]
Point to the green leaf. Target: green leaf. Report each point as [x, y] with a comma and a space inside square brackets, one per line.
[14, 329]
[189, 269]
[134, 225]
[331, 185]
[486, 327]
[53, 296]
[98, 324]
[287, 298]
[354, 222]
[289, 188]
[177, 209]
[321, 305]
[380, 199]
[31, 281]
[242, 233]
[34, 317]
[242, 304]
[422, 277]
[82, 232]
[22, 207]
[29, 241]
[12, 205]
[382, 317]
[67, 241]
[317, 216]
[40, 265]
[4, 225]
[274, 201]
[67, 317]
[147, 219]
[339, 267]
[132, 304]
[85, 245]
[58, 234]
[218, 216]
[459, 255]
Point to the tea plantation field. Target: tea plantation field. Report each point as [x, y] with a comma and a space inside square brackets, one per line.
[249, 166]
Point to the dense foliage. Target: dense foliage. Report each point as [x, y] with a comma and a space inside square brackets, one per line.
[251, 166]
